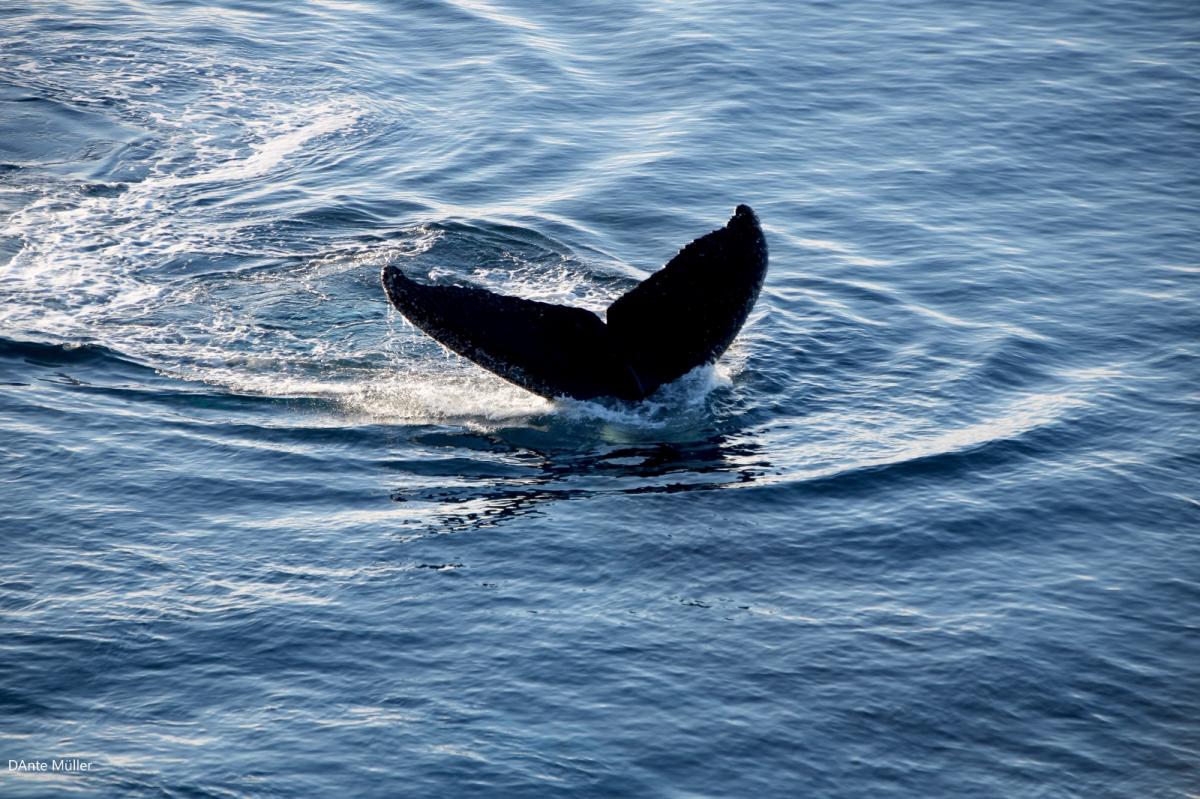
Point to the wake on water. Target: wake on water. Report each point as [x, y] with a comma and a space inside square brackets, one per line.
[125, 290]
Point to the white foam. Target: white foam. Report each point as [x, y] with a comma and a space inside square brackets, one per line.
[664, 408]
[268, 154]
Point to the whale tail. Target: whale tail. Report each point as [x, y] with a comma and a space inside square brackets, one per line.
[684, 315]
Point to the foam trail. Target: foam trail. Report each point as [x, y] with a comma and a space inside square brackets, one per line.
[270, 153]
[83, 259]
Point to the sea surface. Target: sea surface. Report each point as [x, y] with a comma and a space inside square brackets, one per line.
[931, 528]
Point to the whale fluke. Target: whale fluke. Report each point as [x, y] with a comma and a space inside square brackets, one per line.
[684, 315]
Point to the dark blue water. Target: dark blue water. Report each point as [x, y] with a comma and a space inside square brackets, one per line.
[930, 528]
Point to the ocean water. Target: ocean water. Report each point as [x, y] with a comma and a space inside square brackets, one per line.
[929, 529]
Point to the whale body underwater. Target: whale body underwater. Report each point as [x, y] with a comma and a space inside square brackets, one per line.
[684, 315]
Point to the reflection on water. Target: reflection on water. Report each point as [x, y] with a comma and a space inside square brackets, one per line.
[548, 477]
